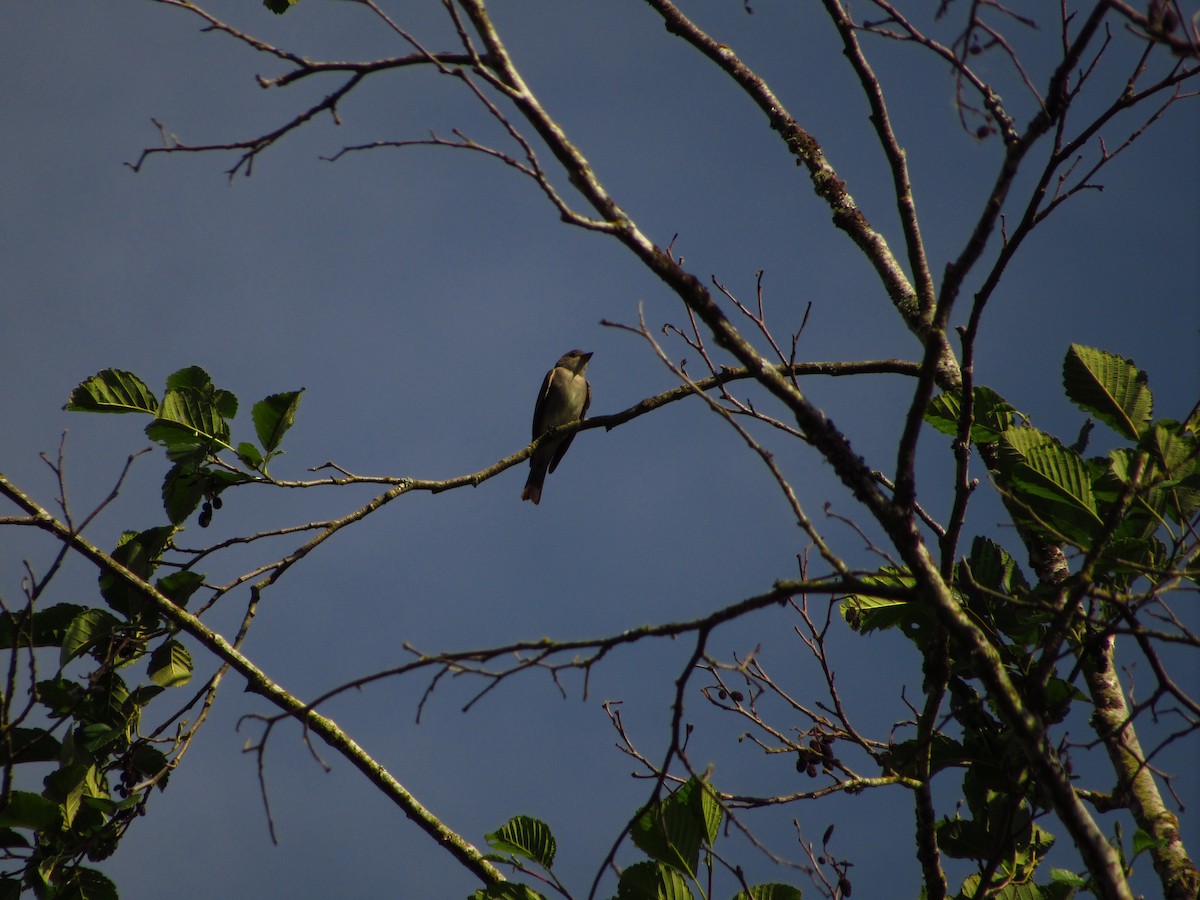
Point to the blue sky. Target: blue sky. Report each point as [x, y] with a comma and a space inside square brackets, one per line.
[418, 296]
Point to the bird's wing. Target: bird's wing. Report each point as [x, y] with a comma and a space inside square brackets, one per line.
[539, 408]
[561, 450]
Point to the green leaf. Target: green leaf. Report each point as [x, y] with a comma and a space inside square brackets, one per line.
[963, 839]
[1063, 885]
[673, 830]
[191, 378]
[250, 455]
[652, 881]
[992, 567]
[59, 695]
[992, 414]
[22, 745]
[188, 418]
[143, 694]
[279, 7]
[1066, 876]
[1143, 841]
[183, 488]
[507, 890]
[190, 481]
[96, 737]
[1048, 485]
[866, 613]
[944, 752]
[66, 786]
[44, 629]
[943, 412]
[179, 586]
[87, 630]
[1177, 454]
[111, 705]
[1174, 450]
[171, 665]
[26, 810]
[273, 416]
[773, 891]
[82, 883]
[112, 391]
[10, 838]
[527, 837]
[139, 553]
[1012, 891]
[148, 761]
[1109, 387]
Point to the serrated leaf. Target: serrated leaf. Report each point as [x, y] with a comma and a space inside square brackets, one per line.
[943, 412]
[992, 414]
[111, 705]
[1174, 450]
[45, 628]
[273, 416]
[179, 586]
[507, 890]
[139, 552]
[1109, 387]
[906, 758]
[10, 838]
[58, 695]
[673, 830]
[1049, 484]
[66, 786]
[147, 761]
[1066, 876]
[189, 418]
[23, 745]
[183, 489]
[95, 737]
[1175, 454]
[112, 391]
[1012, 891]
[143, 694]
[171, 665]
[1143, 841]
[191, 377]
[225, 403]
[86, 631]
[527, 837]
[704, 801]
[27, 810]
[994, 568]
[249, 455]
[86, 884]
[652, 881]
[772, 891]
[866, 613]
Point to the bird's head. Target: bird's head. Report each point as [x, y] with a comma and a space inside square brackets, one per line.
[575, 361]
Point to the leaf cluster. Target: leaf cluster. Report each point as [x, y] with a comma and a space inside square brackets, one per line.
[677, 834]
[192, 423]
[1113, 511]
[86, 727]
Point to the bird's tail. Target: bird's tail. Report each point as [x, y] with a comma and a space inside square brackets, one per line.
[533, 489]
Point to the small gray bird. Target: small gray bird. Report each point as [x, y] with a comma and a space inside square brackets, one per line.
[565, 397]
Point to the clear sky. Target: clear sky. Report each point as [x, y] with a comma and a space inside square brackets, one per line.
[419, 296]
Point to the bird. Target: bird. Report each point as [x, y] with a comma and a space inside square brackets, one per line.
[565, 397]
